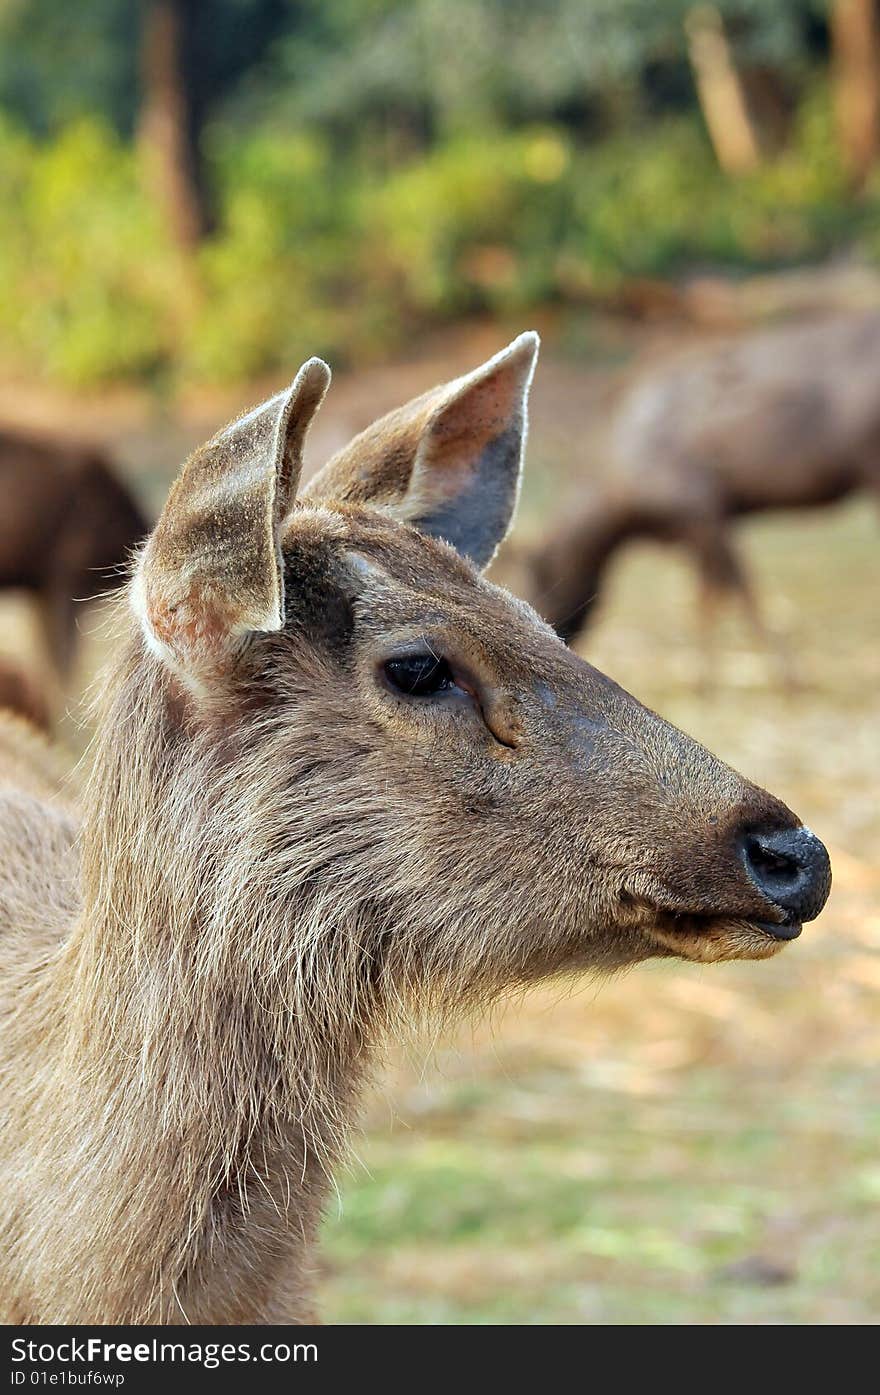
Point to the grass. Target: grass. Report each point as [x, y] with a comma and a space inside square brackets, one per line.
[551, 1199]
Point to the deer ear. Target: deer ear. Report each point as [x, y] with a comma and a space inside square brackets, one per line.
[211, 570]
[448, 462]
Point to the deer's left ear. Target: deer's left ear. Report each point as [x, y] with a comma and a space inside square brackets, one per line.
[212, 570]
[448, 462]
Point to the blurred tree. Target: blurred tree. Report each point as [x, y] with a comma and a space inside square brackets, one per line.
[855, 26]
[58, 61]
[426, 67]
[387, 76]
[380, 165]
[169, 121]
[160, 67]
[722, 92]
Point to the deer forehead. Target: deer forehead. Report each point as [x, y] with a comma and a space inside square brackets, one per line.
[401, 576]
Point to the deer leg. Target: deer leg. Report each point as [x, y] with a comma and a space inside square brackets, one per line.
[774, 643]
[720, 575]
[723, 574]
[58, 619]
[708, 606]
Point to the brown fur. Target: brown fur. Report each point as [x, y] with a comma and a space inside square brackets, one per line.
[67, 528]
[283, 859]
[20, 693]
[786, 418]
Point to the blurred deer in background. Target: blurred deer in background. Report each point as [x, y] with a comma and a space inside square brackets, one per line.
[340, 781]
[68, 526]
[787, 418]
[21, 693]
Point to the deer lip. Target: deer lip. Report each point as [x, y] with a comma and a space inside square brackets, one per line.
[691, 923]
[788, 930]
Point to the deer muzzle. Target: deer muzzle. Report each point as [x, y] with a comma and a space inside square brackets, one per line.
[791, 869]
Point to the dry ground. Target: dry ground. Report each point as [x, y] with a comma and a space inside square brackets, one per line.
[683, 1145]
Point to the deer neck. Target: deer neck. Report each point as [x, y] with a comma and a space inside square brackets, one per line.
[215, 1069]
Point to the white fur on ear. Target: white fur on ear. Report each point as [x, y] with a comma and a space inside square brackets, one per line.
[212, 569]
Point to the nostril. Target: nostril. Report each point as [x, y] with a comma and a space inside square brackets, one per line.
[790, 867]
[770, 863]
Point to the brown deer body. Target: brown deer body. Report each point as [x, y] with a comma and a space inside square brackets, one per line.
[783, 419]
[340, 781]
[67, 528]
[20, 693]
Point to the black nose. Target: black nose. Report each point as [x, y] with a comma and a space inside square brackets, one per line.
[791, 868]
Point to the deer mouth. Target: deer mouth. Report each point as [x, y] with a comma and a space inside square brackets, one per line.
[710, 938]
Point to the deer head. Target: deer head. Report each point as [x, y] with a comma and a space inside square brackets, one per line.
[415, 741]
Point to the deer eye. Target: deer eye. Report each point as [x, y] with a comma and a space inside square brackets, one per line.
[419, 675]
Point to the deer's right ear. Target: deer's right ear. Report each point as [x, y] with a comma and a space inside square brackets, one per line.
[211, 570]
[448, 463]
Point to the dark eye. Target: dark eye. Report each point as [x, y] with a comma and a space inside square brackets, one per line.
[419, 675]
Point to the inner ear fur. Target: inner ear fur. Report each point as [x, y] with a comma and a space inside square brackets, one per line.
[212, 569]
[448, 462]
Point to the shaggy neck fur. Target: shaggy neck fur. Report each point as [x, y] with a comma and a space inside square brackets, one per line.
[255, 915]
[209, 1017]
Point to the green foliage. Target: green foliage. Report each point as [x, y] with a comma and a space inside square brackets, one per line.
[450, 63]
[474, 224]
[275, 282]
[61, 62]
[86, 279]
[651, 207]
[347, 63]
[320, 253]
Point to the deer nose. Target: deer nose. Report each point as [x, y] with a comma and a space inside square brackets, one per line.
[790, 867]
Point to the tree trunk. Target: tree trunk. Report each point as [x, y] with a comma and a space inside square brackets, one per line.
[855, 31]
[169, 123]
[721, 92]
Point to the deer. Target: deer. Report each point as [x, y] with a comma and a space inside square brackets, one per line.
[20, 692]
[341, 785]
[783, 418]
[67, 528]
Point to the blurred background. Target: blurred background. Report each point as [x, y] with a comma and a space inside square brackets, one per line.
[196, 196]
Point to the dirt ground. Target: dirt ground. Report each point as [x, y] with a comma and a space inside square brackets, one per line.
[684, 1144]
